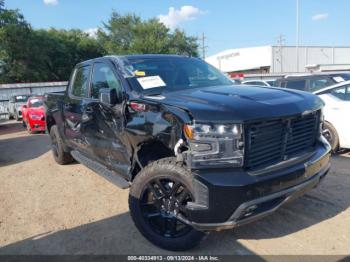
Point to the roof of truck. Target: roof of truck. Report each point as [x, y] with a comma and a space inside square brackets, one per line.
[140, 56]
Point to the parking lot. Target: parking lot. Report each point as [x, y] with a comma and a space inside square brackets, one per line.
[50, 209]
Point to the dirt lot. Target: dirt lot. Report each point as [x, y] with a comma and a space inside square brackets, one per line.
[50, 209]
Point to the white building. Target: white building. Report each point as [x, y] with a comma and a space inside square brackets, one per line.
[281, 59]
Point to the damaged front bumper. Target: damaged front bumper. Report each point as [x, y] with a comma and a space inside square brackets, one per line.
[226, 198]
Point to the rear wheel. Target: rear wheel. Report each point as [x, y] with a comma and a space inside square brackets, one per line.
[331, 135]
[57, 147]
[158, 197]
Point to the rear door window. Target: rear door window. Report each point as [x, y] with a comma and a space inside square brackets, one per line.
[319, 83]
[296, 84]
[80, 85]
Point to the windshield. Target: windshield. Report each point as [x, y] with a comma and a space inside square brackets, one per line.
[166, 74]
[36, 102]
[21, 99]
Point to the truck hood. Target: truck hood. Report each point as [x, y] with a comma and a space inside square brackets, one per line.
[241, 103]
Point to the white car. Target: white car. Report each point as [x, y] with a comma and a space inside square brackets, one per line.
[336, 113]
[259, 82]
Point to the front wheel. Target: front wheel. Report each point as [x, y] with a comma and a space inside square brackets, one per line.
[159, 195]
[331, 135]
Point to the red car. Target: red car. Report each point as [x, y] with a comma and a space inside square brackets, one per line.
[34, 114]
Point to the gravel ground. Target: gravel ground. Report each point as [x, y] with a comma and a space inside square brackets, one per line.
[50, 209]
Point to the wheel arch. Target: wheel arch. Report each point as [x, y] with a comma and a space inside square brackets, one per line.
[50, 122]
[149, 152]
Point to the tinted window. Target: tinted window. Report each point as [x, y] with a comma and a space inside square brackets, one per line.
[80, 85]
[104, 77]
[254, 83]
[280, 83]
[172, 74]
[317, 84]
[35, 102]
[296, 84]
[342, 93]
[21, 99]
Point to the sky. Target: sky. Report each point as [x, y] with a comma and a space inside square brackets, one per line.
[225, 24]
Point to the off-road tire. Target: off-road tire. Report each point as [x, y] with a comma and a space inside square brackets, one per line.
[164, 168]
[60, 156]
[333, 138]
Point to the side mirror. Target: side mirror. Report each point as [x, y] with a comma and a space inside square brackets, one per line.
[108, 96]
[24, 106]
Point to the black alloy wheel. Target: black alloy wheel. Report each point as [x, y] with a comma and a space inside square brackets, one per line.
[161, 202]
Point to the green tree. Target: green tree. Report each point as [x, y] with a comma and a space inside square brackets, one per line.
[60, 50]
[118, 33]
[15, 45]
[128, 34]
[28, 55]
[182, 44]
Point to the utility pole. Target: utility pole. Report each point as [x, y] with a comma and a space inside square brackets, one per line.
[203, 47]
[297, 33]
[280, 41]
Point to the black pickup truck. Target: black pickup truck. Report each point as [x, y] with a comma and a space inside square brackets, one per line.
[197, 152]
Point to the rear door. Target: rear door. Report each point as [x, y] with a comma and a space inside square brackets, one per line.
[104, 125]
[74, 107]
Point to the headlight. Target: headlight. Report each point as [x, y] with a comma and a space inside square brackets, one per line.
[215, 145]
[35, 117]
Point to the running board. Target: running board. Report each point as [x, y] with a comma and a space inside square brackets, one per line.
[101, 170]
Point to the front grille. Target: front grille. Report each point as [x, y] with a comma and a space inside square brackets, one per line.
[272, 141]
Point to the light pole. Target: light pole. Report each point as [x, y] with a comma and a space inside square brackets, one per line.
[297, 33]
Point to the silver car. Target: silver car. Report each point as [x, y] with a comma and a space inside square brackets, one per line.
[15, 104]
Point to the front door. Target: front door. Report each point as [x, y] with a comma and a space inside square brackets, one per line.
[104, 125]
